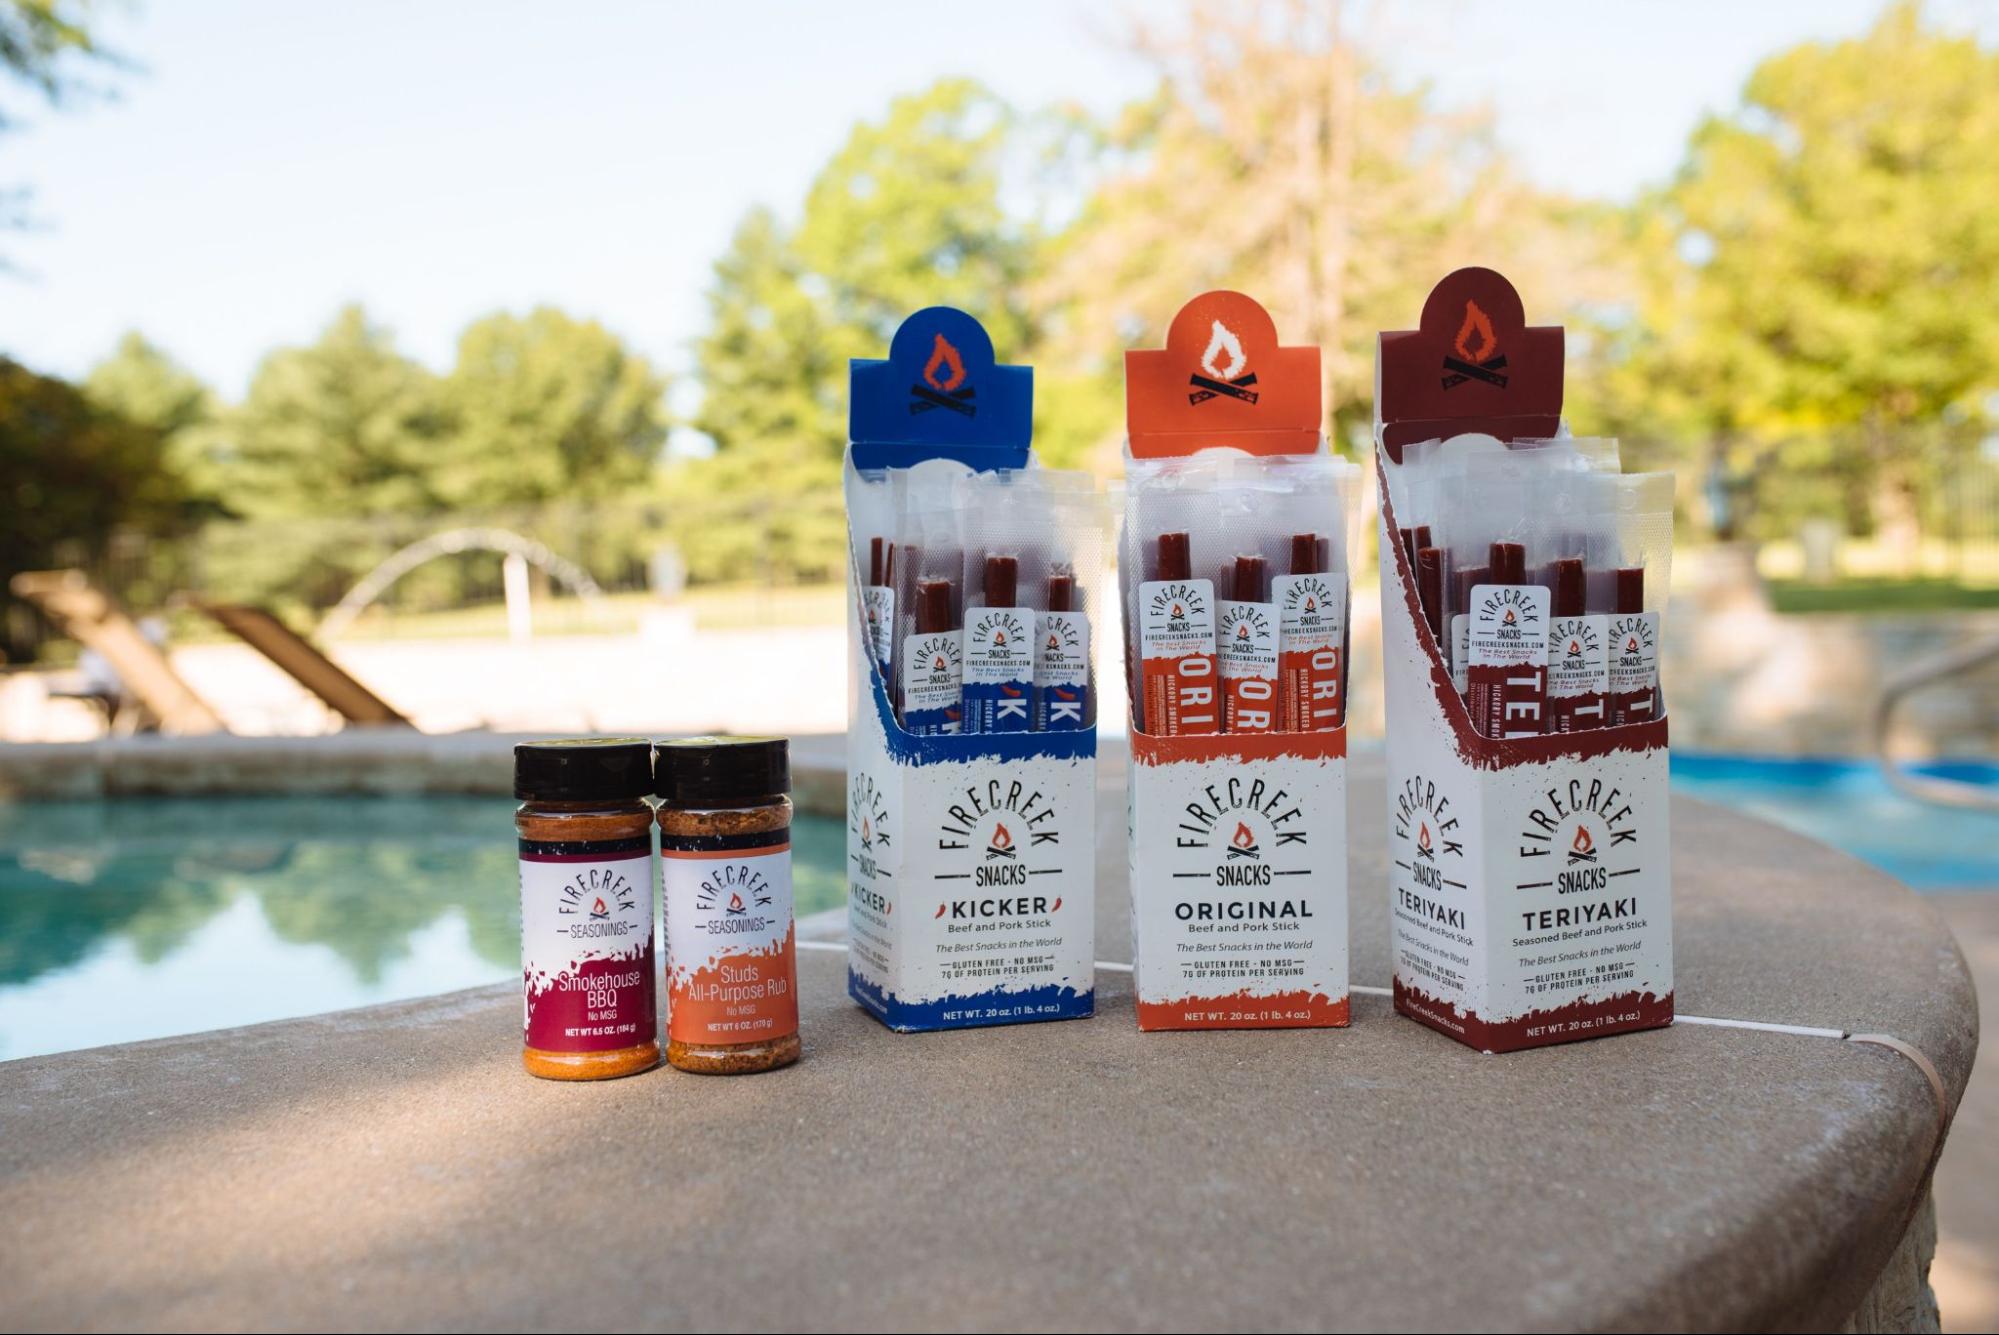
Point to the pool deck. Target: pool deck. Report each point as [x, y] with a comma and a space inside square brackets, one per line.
[391, 1167]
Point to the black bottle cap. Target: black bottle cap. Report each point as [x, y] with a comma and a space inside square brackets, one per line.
[691, 771]
[583, 769]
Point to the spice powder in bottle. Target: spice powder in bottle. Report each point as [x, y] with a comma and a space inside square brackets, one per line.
[590, 1002]
[731, 957]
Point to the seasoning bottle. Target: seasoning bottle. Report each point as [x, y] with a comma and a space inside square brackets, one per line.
[731, 958]
[590, 1007]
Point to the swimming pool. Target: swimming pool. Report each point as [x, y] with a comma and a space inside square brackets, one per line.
[139, 919]
[1848, 804]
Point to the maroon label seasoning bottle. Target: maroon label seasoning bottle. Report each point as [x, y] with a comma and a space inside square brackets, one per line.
[589, 996]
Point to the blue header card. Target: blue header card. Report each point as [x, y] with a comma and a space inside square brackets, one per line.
[940, 395]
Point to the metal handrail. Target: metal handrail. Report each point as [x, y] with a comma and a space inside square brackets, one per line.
[1925, 787]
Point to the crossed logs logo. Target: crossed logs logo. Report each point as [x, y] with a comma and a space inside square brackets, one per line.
[1216, 377]
[943, 384]
[1477, 352]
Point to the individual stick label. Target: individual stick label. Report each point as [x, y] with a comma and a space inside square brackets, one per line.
[1508, 675]
[1578, 674]
[878, 602]
[1311, 638]
[933, 682]
[586, 945]
[1246, 645]
[1634, 667]
[1177, 657]
[731, 964]
[1461, 652]
[1061, 671]
[999, 668]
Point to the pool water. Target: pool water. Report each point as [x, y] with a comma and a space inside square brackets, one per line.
[1848, 804]
[144, 918]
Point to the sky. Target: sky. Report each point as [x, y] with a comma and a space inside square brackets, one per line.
[265, 164]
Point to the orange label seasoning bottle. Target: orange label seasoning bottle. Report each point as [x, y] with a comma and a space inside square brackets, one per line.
[731, 957]
[590, 1007]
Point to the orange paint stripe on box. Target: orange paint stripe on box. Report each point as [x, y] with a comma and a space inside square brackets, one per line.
[1240, 1010]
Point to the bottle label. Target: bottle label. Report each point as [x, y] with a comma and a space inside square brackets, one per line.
[999, 668]
[1508, 676]
[1634, 667]
[587, 945]
[1062, 672]
[731, 960]
[933, 682]
[1246, 644]
[1177, 657]
[1311, 639]
[1578, 674]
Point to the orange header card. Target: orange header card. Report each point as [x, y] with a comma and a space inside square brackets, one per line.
[1222, 379]
[1474, 365]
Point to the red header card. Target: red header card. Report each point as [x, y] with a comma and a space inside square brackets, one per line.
[1222, 379]
[1474, 365]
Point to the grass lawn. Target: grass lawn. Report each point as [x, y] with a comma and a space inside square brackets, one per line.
[1882, 594]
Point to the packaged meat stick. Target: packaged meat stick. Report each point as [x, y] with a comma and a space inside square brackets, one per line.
[1311, 638]
[933, 664]
[1642, 514]
[1176, 641]
[1507, 675]
[1063, 700]
[1246, 645]
[999, 652]
[1578, 663]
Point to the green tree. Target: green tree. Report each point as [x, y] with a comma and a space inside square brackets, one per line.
[907, 214]
[346, 426]
[73, 475]
[544, 406]
[142, 384]
[1821, 279]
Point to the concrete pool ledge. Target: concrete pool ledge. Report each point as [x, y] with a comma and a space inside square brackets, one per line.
[357, 761]
[392, 1167]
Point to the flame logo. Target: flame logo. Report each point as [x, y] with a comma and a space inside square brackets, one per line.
[736, 904]
[1509, 618]
[600, 909]
[1631, 645]
[1000, 839]
[1311, 603]
[945, 370]
[999, 639]
[1423, 836]
[938, 666]
[867, 833]
[1178, 612]
[1243, 838]
[1575, 648]
[1582, 843]
[1478, 324]
[1054, 644]
[1223, 340]
[1242, 631]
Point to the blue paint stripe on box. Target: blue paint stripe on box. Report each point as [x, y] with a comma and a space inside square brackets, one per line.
[999, 1006]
